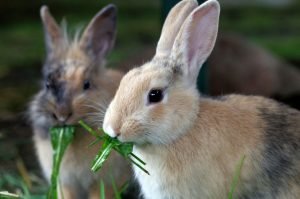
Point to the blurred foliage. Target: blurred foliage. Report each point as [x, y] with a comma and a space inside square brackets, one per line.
[139, 24]
[15, 184]
[277, 29]
[21, 35]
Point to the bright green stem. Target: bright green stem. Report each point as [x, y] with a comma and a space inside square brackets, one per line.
[89, 129]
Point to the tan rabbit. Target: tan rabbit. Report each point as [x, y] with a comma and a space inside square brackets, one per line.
[192, 145]
[74, 79]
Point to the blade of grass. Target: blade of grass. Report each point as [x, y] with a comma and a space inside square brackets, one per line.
[102, 156]
[124, 187]
[236, 178]
[102, 190]
[7, 195]
[95, 142]
[139, 166]
[137, 158]
[116, 192]
[25, 190]
[23, 172]
[88, 128]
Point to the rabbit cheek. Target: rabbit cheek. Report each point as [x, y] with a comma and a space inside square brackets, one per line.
[81, 107]
[157, 113]
[131, 131]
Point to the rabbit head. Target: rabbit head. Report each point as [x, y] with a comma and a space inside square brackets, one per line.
[158, 102]
[72, 68]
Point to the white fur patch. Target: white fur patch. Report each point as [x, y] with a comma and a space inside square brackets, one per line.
[109, 131]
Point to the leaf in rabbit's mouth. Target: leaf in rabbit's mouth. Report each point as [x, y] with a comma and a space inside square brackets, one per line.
[61, 137]
[123, 148]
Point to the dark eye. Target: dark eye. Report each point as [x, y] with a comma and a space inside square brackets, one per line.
[47, 84]
[86, 85]
[155, 96]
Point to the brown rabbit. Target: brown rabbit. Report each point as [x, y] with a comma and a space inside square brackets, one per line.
[238, 65]
[192, 145]
[74, 78]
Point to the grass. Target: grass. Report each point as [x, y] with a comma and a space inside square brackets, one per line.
[236, 177]
[18, 188]
[102, 190]
[109, 144]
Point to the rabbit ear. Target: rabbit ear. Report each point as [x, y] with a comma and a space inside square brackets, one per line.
[53, 33]
[172, 26]
[196, 39]
[99, 36]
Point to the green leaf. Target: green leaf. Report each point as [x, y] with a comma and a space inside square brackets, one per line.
[61, 137]
[102, 155]
[124, 149]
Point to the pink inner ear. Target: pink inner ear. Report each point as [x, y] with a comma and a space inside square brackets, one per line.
[202, 33]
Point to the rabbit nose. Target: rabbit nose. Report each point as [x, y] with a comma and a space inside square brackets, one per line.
[117, 134]
[64, 118]
[61, 118]
[63, 113]
[111, 132]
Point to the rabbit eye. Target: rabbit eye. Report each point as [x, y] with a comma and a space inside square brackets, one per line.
[155, 96]
[48, 84]
[86, 85]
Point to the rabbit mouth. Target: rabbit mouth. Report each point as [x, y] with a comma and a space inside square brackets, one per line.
[137, 138]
